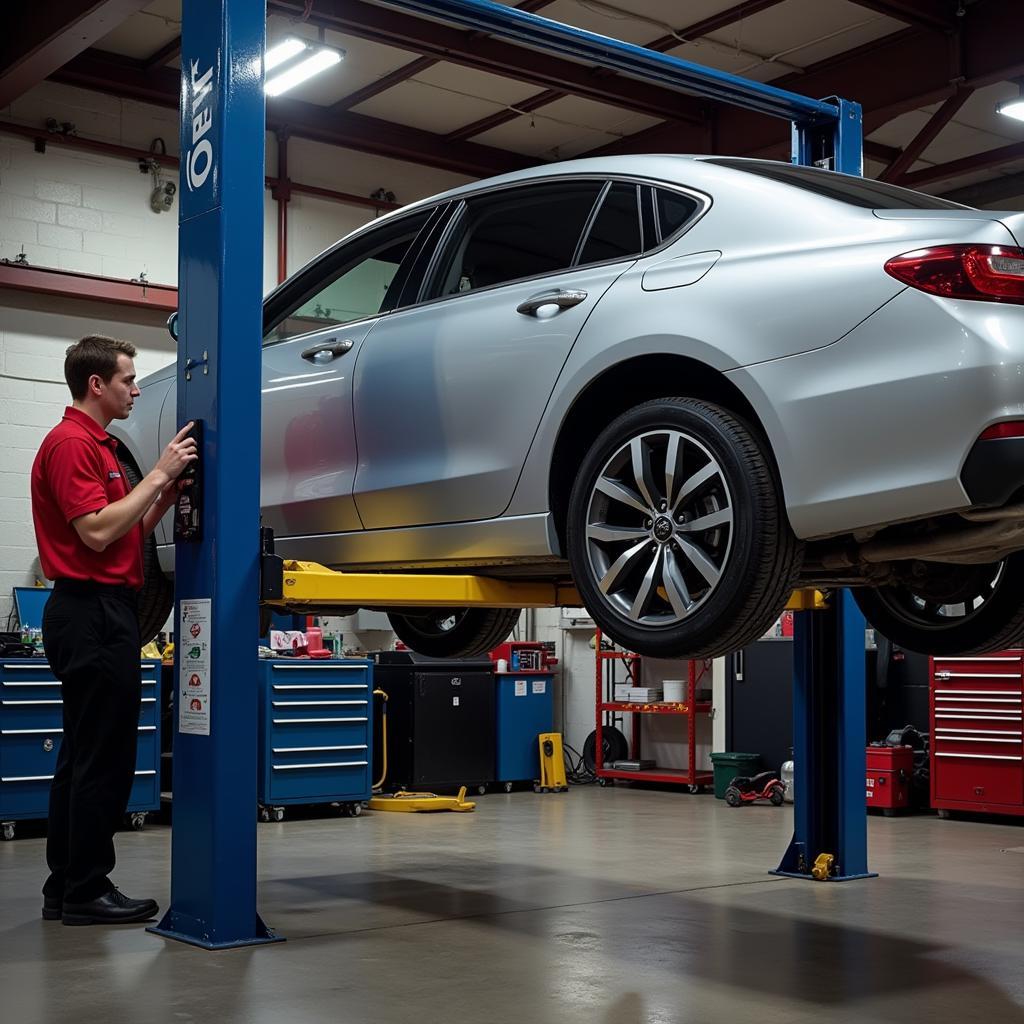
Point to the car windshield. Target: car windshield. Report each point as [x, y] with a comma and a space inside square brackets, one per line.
[846, 188]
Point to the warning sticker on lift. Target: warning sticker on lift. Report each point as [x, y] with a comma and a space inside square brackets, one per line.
[194, 668]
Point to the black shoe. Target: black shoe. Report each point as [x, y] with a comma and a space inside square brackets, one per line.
[52, 908]
[111, 908]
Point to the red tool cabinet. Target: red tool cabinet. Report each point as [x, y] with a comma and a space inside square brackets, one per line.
[889, 771]
[977, 753]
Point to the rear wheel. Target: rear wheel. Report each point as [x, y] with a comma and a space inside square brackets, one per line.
[454, 632]
[156, 599]
[676, 533]
[947, 610]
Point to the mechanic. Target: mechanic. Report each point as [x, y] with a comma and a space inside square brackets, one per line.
[90, 529]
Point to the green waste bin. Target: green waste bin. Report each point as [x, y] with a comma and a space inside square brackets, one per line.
[728, 766]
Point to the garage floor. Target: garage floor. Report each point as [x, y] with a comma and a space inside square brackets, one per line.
[614, 906]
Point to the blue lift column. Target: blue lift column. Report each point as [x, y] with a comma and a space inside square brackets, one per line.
[213, 865]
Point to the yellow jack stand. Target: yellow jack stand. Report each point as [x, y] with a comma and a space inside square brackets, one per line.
[402, 801]
[552, 764]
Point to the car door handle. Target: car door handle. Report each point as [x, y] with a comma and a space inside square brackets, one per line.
[327, 350]
[563, 299]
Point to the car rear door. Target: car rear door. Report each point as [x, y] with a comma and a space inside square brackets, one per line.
[449, 392]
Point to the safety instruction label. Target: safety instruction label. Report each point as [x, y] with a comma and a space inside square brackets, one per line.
[540, 685]
[520, 687]
[193, 642]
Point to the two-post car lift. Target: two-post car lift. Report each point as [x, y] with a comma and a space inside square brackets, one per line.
[213, 868]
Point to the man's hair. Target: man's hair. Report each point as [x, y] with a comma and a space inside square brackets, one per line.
[93, 354]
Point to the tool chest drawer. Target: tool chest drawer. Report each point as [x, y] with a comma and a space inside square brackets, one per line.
[315, 731]
[977, 733]
[31, 730]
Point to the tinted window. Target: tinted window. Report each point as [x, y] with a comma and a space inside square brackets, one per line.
[674, 210]
[349, 284]
[846, 188]
[508, 235]
[615, 233]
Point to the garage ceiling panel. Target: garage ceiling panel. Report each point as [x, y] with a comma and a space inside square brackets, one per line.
[144, 33]
[565, 129]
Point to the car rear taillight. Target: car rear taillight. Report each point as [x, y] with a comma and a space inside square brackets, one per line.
[1011, 428]
[988, 273]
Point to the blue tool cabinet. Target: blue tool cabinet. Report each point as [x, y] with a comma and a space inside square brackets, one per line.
[525, 708]
[316, 735]
[31, 728]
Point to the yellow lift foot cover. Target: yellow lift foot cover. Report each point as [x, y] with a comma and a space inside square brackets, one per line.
[403, 801]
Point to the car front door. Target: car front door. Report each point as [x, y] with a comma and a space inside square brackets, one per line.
[311, 343]
[449, 392]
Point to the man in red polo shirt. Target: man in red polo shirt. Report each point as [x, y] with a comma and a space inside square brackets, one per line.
[90, 528]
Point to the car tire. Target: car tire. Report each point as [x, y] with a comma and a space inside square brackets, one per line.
[156, 599]
[912, 616]
[454, 633]
[696, 573]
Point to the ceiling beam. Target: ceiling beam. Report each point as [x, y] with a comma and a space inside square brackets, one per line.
[406, 71]
[163, 56]
[485, 53]
[662, 44]
[984, 193]
[121, 76]
[925, 137]
[965, 165]
[937, 16]
[42, 37]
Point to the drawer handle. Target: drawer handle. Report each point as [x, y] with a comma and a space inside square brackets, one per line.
[26, 778]
[30, 682]
[310, 750]
[314, 721]
[317, 668]
[977, 693]
[975, 739]
[983, 757]
[44, 667]
[324, 764]
[29, 703]
[319, 686]
[979, 698]
[949, 730]
[977, 675]
[318, 703]
[35, 732]
[978, 714]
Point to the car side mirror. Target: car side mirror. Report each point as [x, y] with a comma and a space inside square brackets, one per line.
[172, 325]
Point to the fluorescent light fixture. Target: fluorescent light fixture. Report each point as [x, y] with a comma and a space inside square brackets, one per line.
[285, 50]
[288, 79]
[1012, 108]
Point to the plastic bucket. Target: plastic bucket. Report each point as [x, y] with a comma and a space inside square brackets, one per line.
[728, 766]
[673, 690]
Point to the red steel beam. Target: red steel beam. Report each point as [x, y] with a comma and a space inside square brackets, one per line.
[160, 297]
[925, 137]
[163, 56]
[966, 165]
[123, 77]
[663, 43]
[42, 37]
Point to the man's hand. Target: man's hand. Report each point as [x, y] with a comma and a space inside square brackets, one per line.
[179, 453]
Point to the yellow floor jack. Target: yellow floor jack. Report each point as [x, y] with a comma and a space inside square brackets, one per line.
[552, 764]
[402, 800]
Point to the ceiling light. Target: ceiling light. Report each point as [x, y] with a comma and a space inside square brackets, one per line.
[284, 50]
[289, 78]
[1012, 108]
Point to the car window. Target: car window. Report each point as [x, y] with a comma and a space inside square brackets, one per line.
[503, 236]
[846, 188]
[615, 231]
[353, 282]
[674, 210]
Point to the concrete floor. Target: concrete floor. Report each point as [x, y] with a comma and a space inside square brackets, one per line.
[615, 906]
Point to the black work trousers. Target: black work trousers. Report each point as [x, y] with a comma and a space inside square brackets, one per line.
[91, 639]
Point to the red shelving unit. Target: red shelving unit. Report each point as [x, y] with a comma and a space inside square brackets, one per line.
[691, 707]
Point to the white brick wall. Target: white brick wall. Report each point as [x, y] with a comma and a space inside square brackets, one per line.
[73, 210]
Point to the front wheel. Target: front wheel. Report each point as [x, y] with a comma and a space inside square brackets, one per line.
[949, 610]
[454, 632]
[676, 533]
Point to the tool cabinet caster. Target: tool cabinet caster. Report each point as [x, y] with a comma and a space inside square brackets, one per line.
[942, 813]
[277, 813]
[8, 827]
[138, 821]
[507, 786]
[263, 813]
[695, 789]
[481, 790]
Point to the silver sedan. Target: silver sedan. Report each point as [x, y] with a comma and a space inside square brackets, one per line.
[686, 384]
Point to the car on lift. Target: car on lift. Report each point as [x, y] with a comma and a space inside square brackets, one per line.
[688, 385]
